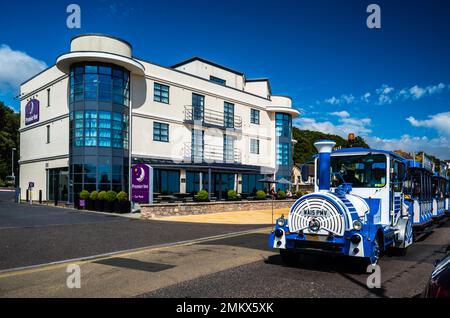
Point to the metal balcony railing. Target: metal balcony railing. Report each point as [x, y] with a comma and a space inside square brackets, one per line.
[194, 114]
[210, 154]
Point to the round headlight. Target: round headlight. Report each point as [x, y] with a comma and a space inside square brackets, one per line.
[357, 225]
[281, 222]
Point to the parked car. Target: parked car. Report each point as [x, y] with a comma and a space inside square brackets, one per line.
[439, 284]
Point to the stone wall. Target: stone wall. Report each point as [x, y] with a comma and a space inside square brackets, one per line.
[149, 211]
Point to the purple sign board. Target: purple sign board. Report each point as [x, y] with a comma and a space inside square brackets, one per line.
[32, 112]
[142, 183]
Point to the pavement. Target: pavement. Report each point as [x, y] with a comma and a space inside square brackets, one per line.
[119, 257]
[238, 217]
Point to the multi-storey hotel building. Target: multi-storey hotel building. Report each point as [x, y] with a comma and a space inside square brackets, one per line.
[99, 110]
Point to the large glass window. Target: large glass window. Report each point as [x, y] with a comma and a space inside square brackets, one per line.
[160, 132]
[192, 182]
[361, 171]
[103, 83]
[166, 181]
[198, 145]
[100, 128]
[161, 93]
[250, 183]
[283, 154]
[283, 125]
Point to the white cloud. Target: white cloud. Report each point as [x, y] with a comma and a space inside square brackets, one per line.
[439, 147]
[341, 114]
[387, 94]
[346, 125]
[16, 67]
[440, 122]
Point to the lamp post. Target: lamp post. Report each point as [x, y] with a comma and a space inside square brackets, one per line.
[12, 161]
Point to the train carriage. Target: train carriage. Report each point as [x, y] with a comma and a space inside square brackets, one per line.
[357, 208]
[438, 191]
[418, 193]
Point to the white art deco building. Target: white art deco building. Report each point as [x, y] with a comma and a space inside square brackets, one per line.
[200, 125]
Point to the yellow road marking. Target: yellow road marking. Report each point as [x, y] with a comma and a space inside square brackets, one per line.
[126, 253]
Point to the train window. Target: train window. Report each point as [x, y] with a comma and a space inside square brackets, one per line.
[398, 175]
[365, 171]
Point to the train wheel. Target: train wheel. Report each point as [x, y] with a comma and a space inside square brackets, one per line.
[290, 257]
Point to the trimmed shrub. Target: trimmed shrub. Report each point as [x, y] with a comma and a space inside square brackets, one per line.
[232, 195]
[202, 196]
[122, 196]
[84, 194]
[299, 194]
[281, 195]
[111, 196]
[102, 196]
[94, 195]
[260, 195]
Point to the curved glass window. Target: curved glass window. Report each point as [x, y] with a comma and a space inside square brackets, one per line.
[100, 128]
[103, 83]
[283, 125]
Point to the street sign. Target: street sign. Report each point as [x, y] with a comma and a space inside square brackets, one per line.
[142, 183]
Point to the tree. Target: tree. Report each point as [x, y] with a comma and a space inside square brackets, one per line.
[9, 138]
[304, 149]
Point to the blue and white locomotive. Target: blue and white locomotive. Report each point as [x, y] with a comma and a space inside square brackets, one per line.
[357, 208]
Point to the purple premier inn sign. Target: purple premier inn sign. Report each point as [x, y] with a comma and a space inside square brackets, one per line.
[32, 112]
[142, 183]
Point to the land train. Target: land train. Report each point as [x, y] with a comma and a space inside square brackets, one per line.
[365, 202]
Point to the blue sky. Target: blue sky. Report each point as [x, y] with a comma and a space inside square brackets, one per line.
[389, 85]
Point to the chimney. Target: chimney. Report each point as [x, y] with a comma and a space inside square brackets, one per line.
[324, 147]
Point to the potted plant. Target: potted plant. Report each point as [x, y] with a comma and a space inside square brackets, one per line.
[90, 202]
[232, 195]
[84, 195]
[202, 196]
[281, 195]
[100, 202]
[110, 198]
[122, 204]
[260, 195]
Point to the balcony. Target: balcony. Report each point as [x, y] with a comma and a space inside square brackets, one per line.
[210, 154]
[211, 118]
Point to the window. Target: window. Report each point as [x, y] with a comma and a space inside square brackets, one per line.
[198, 144]
[198, 106]
[160, 132]
[250, 183]
[283, 123]
[48, 97]
[283, 154]
[228, 148]
[92, 128]
[166, 181]
[48, 134]
[102, 83]
[217, 80]
[361, 171]
[254, 116]
[228, 114]
[254, 146]
[161, 93]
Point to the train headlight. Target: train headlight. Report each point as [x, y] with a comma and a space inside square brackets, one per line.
[281, 222]
[357, 225]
